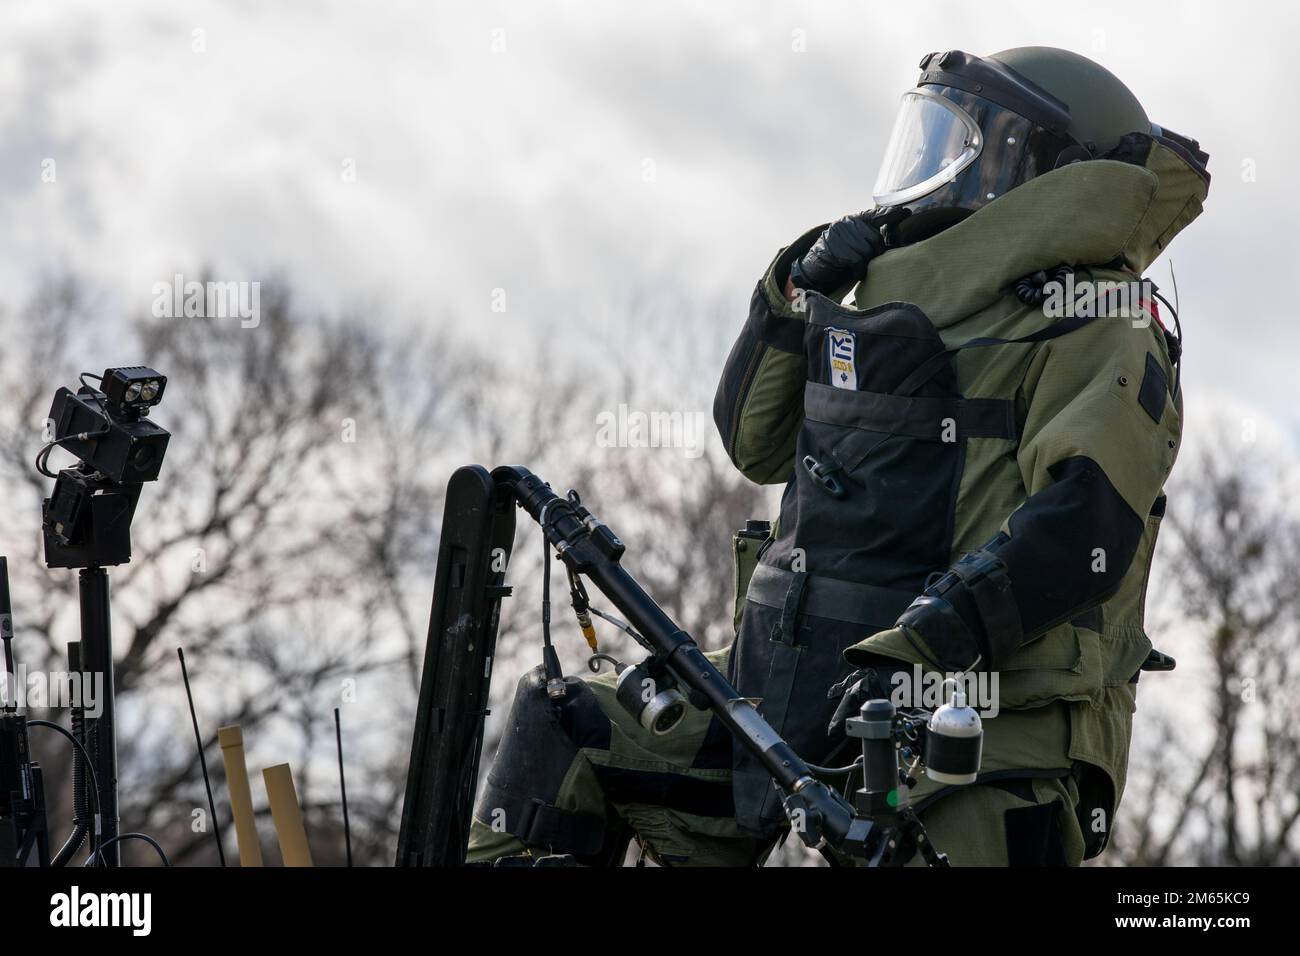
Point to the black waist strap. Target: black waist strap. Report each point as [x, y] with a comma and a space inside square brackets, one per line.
[910, 415]
[829, 598]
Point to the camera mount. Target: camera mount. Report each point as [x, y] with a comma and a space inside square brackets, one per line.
[86, 523]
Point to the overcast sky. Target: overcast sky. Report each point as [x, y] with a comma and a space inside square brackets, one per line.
[586, 156]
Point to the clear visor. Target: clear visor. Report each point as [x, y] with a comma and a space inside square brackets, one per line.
[932, 141]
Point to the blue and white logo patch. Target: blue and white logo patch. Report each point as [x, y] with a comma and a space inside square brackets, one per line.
[842, 345]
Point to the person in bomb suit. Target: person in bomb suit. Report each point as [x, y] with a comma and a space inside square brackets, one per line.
[973, 402]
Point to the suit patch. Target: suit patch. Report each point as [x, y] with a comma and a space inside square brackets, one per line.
[1154, 390]
[841, 346]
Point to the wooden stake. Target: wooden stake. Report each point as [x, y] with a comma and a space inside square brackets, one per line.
[241, 796]
[287, 814]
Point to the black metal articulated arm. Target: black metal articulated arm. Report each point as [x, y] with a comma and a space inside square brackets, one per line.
[589, 548]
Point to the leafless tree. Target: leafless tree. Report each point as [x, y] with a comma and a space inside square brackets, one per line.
[272, 548]
[290, 542]
[1216, 783]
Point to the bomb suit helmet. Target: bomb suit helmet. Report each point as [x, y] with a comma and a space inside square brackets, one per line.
[974, 128]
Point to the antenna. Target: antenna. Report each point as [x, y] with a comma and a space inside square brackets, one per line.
[343, 787]
[6, 635]
[203, 761]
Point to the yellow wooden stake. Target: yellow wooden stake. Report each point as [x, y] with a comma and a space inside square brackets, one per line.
[241, 797]
[287, 814]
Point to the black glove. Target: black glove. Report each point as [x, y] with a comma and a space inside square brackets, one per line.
[840, 255]
[864, 684]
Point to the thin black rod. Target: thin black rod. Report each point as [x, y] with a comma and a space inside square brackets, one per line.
[343, 787]
[6, 635]
[203, 760]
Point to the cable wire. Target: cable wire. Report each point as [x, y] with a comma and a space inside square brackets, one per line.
[94, 780]
[132, 836]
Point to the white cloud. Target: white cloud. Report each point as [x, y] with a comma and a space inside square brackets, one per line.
[523, 169]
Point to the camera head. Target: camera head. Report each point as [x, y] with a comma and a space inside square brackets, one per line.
[109, 429]
[87, 518]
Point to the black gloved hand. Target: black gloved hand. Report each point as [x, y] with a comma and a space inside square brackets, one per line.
[840, 255]
[864, 684]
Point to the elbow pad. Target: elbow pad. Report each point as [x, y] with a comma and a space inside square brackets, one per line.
[1016, 587]
[969, 617]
